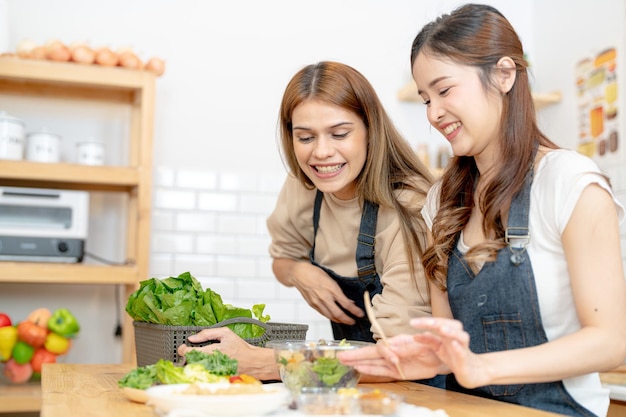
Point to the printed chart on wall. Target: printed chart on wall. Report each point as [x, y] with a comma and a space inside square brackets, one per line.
[596, 83]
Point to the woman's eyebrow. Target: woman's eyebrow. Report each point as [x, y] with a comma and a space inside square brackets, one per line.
[433, 82]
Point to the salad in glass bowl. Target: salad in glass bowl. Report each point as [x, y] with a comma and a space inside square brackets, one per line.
[314, 364]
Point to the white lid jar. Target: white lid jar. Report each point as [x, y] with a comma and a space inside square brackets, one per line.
[11, 137]
[43, 146]
[90, 152]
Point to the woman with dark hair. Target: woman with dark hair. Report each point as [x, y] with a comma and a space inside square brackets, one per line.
[347, 219]
[525, 268]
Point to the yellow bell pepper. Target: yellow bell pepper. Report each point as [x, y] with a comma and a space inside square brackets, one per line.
[56, 343]
[8, 339]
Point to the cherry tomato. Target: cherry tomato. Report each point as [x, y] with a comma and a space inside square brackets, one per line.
[5, 320]
[18, 373]
[40, 357]
[31, 333]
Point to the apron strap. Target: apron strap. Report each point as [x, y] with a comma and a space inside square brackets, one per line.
[517, 234]
[366, 246]
[365, 251]
[319, 196]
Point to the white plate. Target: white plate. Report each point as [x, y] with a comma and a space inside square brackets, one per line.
[168, 400]
[618, 392]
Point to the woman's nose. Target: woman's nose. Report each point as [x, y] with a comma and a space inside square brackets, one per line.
[435, 112]
[323, 147]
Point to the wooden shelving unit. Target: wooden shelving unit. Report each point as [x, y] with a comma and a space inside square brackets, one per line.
[542, 100]
[136, 89]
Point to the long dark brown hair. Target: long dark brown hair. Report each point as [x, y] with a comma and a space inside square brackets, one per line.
[391, 164]
[479, 36]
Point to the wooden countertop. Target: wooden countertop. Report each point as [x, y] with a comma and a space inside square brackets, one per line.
[615, 377]
[87, 389]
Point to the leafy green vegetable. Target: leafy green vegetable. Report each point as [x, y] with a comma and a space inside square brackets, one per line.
[196, 372]
[329, 370]
[181, 301]
[140, 378]
[168, 373]
[200, 367]
[217, 363]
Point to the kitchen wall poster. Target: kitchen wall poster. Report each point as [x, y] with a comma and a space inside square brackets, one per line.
[596, 85]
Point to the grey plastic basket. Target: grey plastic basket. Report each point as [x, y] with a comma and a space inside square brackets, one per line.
[158, 341]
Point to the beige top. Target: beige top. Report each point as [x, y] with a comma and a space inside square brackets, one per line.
[404, 295]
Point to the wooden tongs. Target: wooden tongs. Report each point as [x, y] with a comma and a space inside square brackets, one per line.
[377, 326]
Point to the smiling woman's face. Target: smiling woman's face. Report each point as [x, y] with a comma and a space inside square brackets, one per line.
[330, 144]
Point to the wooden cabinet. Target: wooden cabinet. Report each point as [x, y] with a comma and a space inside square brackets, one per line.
[131, 88]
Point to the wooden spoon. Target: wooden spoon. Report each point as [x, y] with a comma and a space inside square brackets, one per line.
[377, 326]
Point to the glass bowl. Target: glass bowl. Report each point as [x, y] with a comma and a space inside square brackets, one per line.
[314, 364]
[347, 401]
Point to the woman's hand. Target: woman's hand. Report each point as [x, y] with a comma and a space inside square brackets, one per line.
[253, 360]
[318, 289]
[414, 356]
[450, 343]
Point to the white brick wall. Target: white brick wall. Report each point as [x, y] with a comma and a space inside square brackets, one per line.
[212, 224]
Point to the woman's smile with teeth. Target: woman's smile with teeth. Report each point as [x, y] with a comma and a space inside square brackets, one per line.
[328, 169]
[451, 127]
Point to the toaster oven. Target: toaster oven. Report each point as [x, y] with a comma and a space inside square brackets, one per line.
[43, 225]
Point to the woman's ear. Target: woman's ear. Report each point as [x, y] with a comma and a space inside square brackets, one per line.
[505, 74]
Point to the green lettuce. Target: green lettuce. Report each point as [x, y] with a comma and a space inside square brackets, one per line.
[140, 378]
[199, 367]
[181, 301]
[217, 363]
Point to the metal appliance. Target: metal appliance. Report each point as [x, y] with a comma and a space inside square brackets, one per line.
[43, 225]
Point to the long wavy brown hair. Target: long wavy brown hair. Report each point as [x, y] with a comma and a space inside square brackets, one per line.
[391, 164]
[479, 35]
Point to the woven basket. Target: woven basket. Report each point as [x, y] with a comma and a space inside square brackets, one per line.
[158, 341]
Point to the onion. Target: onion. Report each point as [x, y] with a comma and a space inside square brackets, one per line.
[155, 65]
[83, 54]
[57, 51]
[106, 57]
[25, 48]
[129, 60]
[38, 52]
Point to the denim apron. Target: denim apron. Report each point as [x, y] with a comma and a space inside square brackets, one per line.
[367, 279]
[500, 311]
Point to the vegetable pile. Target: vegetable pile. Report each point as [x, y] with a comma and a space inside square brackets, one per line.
[199, 367]
[181, 301]
[39, 339]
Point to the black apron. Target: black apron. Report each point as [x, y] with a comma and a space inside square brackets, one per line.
[367, 279]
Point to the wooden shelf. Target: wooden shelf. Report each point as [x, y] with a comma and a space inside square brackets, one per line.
[19, 398]
[135, 89]
[68, 176]
[60, 273]
[43, 74]
[542, 100]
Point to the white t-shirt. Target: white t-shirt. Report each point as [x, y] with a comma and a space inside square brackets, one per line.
[558, 182]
